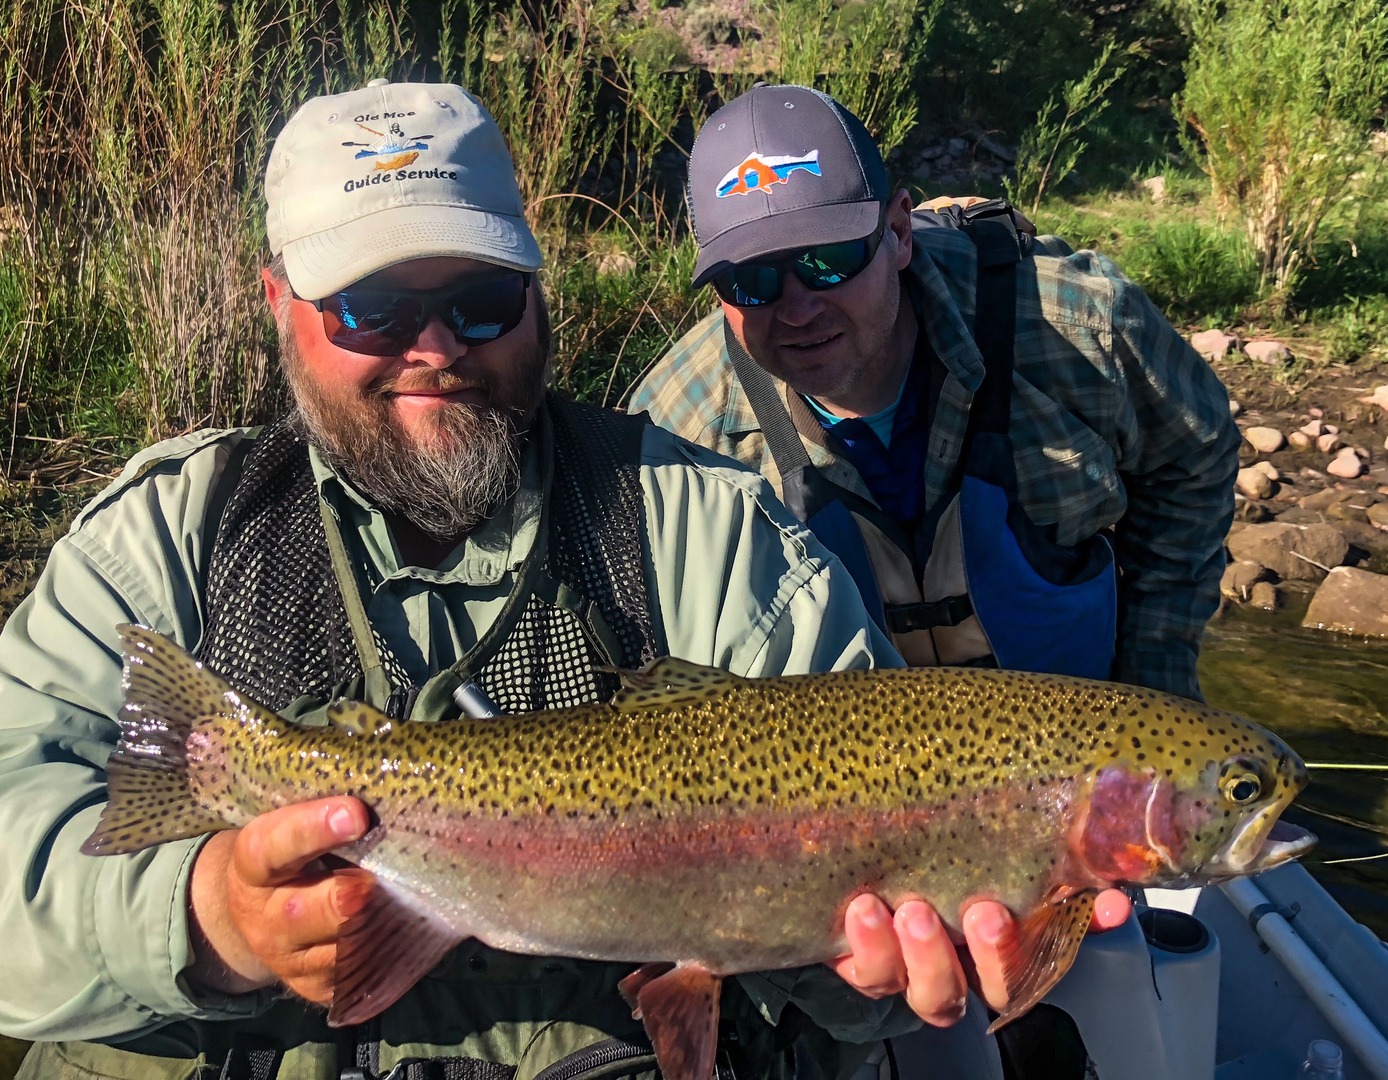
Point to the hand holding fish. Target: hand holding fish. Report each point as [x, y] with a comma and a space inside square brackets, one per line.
[910, 952]
[264, 913]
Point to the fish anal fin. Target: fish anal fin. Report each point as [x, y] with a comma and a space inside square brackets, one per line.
[669, 681]
[1042, 951]
[680, 1011]
[630, 987]
[357, 718]
[382, 951]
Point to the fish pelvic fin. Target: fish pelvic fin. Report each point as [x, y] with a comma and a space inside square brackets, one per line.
[1042, 952]
[669, 682]
[149, 799]
[680, 1011]
[382, 951]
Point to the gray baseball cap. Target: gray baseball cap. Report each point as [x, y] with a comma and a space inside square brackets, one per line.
[370, 178]
[781, 167]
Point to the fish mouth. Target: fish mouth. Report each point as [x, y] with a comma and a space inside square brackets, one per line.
[1260, 843]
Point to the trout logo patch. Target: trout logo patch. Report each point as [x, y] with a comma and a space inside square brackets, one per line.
[758, 173]
[392, 148]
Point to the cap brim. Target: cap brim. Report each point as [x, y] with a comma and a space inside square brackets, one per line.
[786, 231]
[329, 261]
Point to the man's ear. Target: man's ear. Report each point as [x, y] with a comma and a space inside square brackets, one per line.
[274, 289]
[899, 224]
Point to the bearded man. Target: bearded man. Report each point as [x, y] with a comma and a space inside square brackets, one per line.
[427, 517]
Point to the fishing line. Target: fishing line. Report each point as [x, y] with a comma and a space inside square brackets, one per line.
[1352, 766]
[1357, 858]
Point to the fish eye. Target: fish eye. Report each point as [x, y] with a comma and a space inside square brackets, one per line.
[1242, 787]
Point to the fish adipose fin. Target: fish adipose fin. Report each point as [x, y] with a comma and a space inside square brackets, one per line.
[680, 1011]
[382, 951]
[149, 800]
[668, 682]
[1042, 952]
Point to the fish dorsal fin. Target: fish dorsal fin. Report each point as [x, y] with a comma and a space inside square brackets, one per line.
[1042, 951]
[669, 681]
[357, 718]
[382, 951]
[680, 1011]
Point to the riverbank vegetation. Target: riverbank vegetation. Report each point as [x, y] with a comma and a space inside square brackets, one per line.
[1230, 157]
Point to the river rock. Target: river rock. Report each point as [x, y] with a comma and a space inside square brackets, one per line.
[1363, 535]
[1351, 601]
[1277, 545]
[616, 264]
[1379, 397]
[1155, 186]
[1265, 440]
[1315, 429]
[1299, 440]
[1239, 577]
[1254, 483]
[1346, 464]
[1234, 407]
[1326, 497]
[1268, 469]
[1263, 595]
[1328, 443]
[1214, 344]
[1268, 352]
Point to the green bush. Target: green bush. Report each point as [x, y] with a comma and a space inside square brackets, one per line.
[1281, 95]
[1193, 272]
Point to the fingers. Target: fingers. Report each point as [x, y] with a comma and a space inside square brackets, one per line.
[275, 847]
[1111, 909]
[935, 986]
[312, 914]
[875, 967]
[988, 929]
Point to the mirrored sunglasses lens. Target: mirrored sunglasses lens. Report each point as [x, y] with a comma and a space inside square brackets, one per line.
[486, 309]
[749, 286]
[828, 265]
[370, 323]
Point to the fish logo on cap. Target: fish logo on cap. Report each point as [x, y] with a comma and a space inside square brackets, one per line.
[758, 173]
[393, 147]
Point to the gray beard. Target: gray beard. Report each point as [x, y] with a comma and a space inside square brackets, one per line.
[448, 487]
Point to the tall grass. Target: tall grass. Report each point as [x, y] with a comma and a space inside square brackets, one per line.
[134, 134]
[1281, 96]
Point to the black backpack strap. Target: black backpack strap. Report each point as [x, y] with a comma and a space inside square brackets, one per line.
[251, 1058]
[1001, 246]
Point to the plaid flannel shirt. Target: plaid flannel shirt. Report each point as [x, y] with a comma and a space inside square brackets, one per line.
[1116, 422]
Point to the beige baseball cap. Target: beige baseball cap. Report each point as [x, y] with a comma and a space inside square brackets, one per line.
[396, 171]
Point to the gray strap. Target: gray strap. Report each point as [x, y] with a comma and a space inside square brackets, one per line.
[378, 687]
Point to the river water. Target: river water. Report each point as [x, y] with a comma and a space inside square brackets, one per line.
[1327, 696]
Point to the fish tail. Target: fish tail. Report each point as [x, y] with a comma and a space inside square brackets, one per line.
[150, 797]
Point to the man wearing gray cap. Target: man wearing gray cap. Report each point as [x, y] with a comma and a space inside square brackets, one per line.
[1019, 460]
[427, 520]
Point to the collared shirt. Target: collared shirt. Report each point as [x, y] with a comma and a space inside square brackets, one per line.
[96, 947]
[1116, 422]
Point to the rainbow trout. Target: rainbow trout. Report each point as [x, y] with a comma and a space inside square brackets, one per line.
[703, 824]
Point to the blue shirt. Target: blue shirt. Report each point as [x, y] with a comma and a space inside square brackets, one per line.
[888, 448]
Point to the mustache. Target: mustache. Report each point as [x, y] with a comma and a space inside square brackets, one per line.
[447, 381]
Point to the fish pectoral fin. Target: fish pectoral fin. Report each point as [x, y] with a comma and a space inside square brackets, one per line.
[357, 718]
[630, 987]
[1042, 951]
[680, 1011]
[382, 951]
[669, 681]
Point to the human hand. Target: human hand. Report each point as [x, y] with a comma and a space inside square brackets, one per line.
[261, 912]
[911, 952]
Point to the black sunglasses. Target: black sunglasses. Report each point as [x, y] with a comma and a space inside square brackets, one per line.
[820, 267]
[386, 322]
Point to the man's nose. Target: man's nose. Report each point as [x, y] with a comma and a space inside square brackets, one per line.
[798, 306]
[437, 346]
